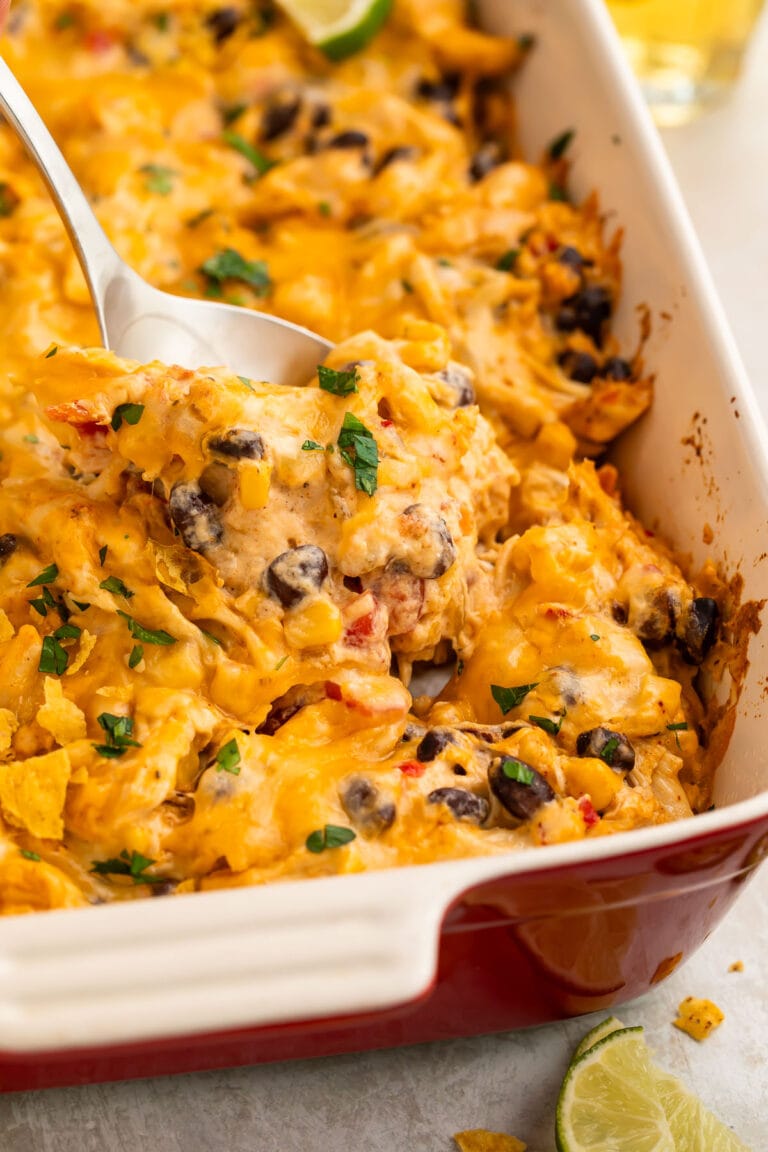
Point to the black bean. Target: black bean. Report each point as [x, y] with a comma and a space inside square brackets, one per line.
[279, 118]
[196, 517]
[459, 770]
[412, 732]
[393, 155]
[321, 116]
[238, 444]
[435, 550]
[223, 23]
[217, 481]
[464, 805]
[8, 544]
[365, 806]
[571, 257]
[349, 139]
[165, 888]
[287, 705]
[441, 91]
[578, 366]
[588, 310]
[652, 619]
[461, 383]
[523, 792]
[616, 368]
[296, 573]
[487, 157]
[699, 630]
[619, 612]
[435, 742]
[611, 747]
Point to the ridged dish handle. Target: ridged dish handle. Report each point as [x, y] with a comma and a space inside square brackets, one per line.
[230, 959]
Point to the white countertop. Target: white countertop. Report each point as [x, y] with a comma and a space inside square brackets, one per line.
[412, 1100]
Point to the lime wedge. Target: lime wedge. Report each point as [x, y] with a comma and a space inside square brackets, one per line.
[608, 1100]
[338, 28]
[599, 1032]
[693, 1127]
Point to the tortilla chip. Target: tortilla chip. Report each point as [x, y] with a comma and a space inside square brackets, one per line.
[8, 725]
[87, 642]
[32, 793]
[698, 1018]
[7, 630]
[481, 1140]
[59, 716]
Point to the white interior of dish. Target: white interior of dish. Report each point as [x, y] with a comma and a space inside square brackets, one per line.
[697, 367]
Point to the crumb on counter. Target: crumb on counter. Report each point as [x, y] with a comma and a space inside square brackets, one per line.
[698, 1018]
[737, 966]
[481, 1140]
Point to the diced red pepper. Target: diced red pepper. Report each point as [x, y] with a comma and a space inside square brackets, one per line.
[359, 631]
[387, 423]
[332, 690]
[412, 768]
[98, 41]
[91, 429]
[588, 814]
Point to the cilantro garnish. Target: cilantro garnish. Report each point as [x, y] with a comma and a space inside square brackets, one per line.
[228, 758]
[324, 208]
[260, 162]
[248, 383]
[459, 667]
[506, 261]
[516, 770]
[130, 413]
[557, 192]
[83, 605]
[560, 144]
[547, 725]
[594, 636]
[134, 866]
[280, 662]
[232, 112]
[30, 438]
[340, 383]
[329, 836]
[51, 352]
[119, 730]
[30, 855]
[67, 632]
[509, 698]
[136, 656]
[116, 586]
[213, 639]
[103, 554]
[359, 449]
[53, 658]
[681, 727]
[47, 576]
[228, 264]
[312, 446]
[147, 635]
[606, 753]
[159, 179]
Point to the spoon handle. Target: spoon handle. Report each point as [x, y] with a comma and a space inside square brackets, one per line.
[98, 259]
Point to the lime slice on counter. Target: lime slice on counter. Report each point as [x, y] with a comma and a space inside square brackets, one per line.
[609, 1101]
[338, 27]
[599, 1032]
[693, 1127]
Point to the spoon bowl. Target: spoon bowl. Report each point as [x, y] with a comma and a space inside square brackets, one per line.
[138, 321]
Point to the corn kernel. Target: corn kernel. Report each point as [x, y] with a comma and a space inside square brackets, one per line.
[254, 481]
[588, 774]
[318, 622]
[425, 346]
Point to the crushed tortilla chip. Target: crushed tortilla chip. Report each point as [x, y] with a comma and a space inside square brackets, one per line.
[87, 642]
[737, 966]
[171, 563]
[8, 725]
[59, 716]
[698, 1018]
[481, 1140]
[32, 793]
[7, 630]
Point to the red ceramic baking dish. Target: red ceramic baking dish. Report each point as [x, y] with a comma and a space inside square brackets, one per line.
[361, 961]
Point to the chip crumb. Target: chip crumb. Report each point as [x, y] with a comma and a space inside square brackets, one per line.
[481, 1140]
[60, 716]
[737, 966]
[698, 1018]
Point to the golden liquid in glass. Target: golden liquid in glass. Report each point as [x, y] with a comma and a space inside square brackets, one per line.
[686, 53]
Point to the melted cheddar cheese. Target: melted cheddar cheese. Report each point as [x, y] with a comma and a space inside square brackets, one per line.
[218, 596]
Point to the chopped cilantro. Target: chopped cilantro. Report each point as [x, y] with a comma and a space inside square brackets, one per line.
[509, 698]
[515, 769]
[67, 632]
[130, 413]
[560, 144]
[161, 21]
[359, 449]
[39, 607]
[506, 261]
[324, 208]
[51, 351]
[557, 192]
[594, 636]
[119, 730]
[407, 286]
[260, 162]
[247, 382]
[280, 663]
[526, 41]
[159, 178]
[193, 222]
[134, 866]
[53, 658]
[83, 605]
[136, 656]
[329, 836]
[606, 753]
[30, 855]
[547, 725]
[146, 635]
[213, 639]
[47, 576]
[444, 262]
[30, 438]
[312, 446]
[228, 264]
[232, 112]
[459, 667]
[228, 758]
[103, 554]
[681, 727]
[339, 383]
[116, 586]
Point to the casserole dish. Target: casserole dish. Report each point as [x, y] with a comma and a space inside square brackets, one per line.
[450, 949]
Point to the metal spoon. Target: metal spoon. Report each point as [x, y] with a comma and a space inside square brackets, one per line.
[141, 322]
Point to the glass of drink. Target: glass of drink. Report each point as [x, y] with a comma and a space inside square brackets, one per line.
[686, 53]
